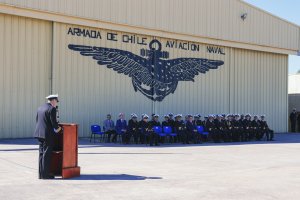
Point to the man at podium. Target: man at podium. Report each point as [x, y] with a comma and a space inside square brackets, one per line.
[46, 127]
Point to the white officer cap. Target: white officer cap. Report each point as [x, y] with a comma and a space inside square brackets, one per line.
[145, 116]
[133, 115]
[52, 96]
[166, 116]
[156, 115]
[178, 115]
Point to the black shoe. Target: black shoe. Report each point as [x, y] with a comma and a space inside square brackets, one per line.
[49, 177]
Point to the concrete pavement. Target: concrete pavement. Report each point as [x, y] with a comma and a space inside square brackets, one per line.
[256, 170]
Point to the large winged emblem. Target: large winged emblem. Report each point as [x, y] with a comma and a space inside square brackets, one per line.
[152, 73]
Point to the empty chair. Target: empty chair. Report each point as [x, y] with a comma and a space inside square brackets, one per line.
[200, 129]
[158, 131]
[202, 134]
[168, 131]
[96, 130]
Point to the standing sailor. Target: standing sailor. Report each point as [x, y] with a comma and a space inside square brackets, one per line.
[46, 127]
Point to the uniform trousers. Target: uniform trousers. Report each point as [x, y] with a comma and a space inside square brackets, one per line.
[45, 155]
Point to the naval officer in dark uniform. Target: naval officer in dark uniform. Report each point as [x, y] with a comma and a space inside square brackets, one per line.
[46, 127]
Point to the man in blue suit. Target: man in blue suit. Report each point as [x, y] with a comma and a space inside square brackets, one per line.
[46, 127]
[121, 128]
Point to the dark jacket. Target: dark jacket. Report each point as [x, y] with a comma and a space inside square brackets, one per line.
[133, 126]
[120, 125]
[45, 122]
[210, 126]
[179, 126]
[190, 127]
[145, 127]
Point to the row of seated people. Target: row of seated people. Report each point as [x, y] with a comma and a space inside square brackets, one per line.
[218, 128]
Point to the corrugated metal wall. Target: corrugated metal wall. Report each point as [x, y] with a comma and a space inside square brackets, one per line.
[25, 60]
[249, 81]
[218, 19]
[259, 85]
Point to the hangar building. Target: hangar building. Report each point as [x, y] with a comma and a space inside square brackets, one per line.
[141, 56]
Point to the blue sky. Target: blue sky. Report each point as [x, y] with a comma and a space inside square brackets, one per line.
[286, 9]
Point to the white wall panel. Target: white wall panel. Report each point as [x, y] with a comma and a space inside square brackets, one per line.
[260, 86]
[25, 59]
[219, 19]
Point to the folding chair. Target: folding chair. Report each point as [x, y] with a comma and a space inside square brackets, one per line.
[168, 130]
[96, 130]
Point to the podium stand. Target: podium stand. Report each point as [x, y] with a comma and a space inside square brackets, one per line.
[65, 152]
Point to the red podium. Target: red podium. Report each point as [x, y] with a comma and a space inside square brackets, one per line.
[65, 152]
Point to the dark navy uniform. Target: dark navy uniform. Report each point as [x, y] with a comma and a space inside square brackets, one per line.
[237, 130]
[293, 119]
[210, 127]
[230, 130]
[179, 128]
[256, 129]
[266, 130]
[153, 137]
[191, 132]
[133, 130]
[248, 133]
[46, 124]
[145, 128]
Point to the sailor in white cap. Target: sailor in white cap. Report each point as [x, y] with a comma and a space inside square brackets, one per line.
[145, 128]
[167, 121]
[46, 127]
[179, 128]
[256, 128]
[154, 137]
[133, 128]
[265, 129]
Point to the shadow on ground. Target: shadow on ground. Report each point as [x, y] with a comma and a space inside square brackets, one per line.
[280, 138]
[112, 177]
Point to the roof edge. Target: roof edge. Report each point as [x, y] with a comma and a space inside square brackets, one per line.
[269, 13]
[75, 20]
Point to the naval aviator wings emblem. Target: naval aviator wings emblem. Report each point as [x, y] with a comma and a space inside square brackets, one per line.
[152, 73]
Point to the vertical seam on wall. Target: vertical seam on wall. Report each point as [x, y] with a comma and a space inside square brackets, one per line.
[52, 57]
[229, 82]
[287, 93]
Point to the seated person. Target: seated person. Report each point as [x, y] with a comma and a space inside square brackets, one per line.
[145, 128]
[170, 123]
[256, 128]
[221, 129]
[211, 128]
[109, 127]
[153, 136]
[265, 129]
[197, 120]
[121, 128]
[191, 131]
[179, 128]
[167, 121]
[133, 128]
